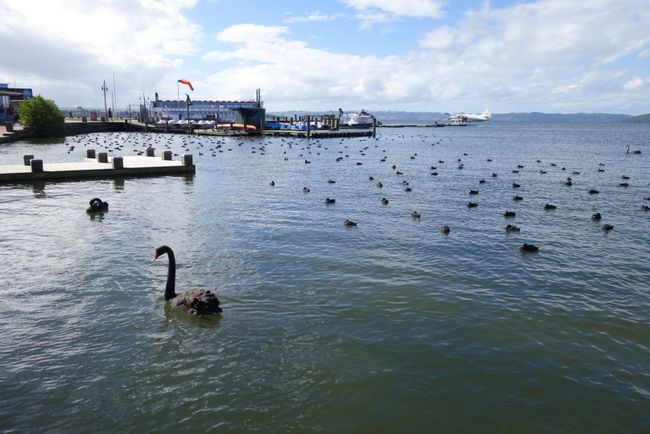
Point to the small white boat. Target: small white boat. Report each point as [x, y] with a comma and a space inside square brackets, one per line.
[358, 120]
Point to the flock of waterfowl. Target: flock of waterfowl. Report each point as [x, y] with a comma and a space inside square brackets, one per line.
[315, 151]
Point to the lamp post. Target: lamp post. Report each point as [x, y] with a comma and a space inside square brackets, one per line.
[104, 88]
[188, 103]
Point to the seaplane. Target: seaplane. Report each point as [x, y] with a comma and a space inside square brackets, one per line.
[464, 118]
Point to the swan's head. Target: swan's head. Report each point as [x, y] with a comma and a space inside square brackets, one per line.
[160, 251]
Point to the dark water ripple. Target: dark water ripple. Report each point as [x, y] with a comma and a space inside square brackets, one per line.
[387, 327]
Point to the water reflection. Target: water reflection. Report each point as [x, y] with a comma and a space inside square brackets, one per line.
[99, 216]
[38, 188]
[189, 178]
[205, 321]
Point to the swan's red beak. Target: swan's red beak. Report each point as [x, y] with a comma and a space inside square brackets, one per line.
[155, 256]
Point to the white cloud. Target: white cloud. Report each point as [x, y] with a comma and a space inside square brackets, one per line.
[312, 17]
[404, 8]
[295, 75]
[634, 84]
[438, 39]
[244, 33]
[544, 55]
[541, 55]
[542, 48]
[369, 19]
[67, 55]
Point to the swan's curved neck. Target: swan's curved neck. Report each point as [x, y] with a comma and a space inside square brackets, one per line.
[170, 288]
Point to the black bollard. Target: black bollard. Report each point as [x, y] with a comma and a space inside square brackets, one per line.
[150, 152]
[167, 155]
[27, 159]
[186, 160]
[118, 163]
[37, 166]
[90, 153]
[102, 157]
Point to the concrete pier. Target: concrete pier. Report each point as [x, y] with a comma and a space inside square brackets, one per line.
[118, 167]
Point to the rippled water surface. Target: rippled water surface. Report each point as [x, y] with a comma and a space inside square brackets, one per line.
[391, 326]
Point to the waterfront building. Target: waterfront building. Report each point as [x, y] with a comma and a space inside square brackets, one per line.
[220, 111]
[10, 97]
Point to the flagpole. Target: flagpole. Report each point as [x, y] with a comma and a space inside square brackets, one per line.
[178, 97]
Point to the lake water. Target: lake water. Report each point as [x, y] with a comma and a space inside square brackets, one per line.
[387, 327]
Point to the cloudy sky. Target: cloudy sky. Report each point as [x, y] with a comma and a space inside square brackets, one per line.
[414, 55]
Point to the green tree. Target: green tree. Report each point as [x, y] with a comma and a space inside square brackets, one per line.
[43, 116]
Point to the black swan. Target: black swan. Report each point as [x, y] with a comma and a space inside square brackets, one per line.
[349, 223]
[445, 230]
[195, 301]
[97, 205]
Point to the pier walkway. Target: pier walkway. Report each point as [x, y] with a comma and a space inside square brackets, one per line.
[100, 167]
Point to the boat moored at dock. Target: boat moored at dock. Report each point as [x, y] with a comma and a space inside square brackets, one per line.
[355, 120]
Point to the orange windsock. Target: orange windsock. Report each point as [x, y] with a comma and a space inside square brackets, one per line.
[187, 82]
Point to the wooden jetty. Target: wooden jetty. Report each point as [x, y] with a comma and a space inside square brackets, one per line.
[100, 166]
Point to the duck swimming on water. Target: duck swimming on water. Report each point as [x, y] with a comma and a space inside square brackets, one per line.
[531, 248]
[97, 205]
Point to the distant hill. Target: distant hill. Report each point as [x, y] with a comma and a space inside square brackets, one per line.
[536, 117]
[638, 119]
[398, 117]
